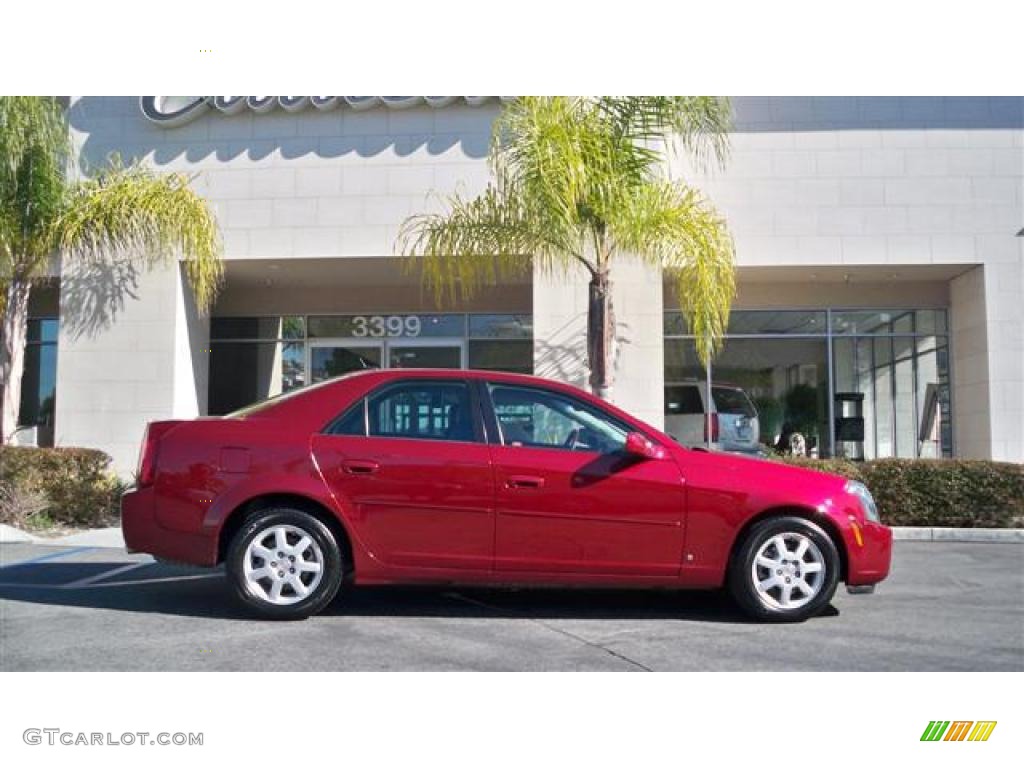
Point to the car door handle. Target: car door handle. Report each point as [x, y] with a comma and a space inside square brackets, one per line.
[360, 467]
[524, 481]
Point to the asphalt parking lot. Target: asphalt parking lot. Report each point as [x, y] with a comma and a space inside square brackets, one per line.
[946, 606]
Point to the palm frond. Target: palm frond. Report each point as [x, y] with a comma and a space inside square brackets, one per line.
[700, 123]
[136, 212]
[579, 180]
[477, 242]
[545, 151]
[676, 228]
[31, 122]
[33, 154]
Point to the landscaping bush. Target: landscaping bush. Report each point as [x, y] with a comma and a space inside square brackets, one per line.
[937, 492]
[57, 486]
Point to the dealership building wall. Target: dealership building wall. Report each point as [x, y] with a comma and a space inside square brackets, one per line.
[863, 227]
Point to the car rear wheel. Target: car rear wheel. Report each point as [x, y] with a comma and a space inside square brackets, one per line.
[285, 564]
[786, 569]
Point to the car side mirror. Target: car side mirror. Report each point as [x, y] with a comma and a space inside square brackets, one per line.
[638, 445]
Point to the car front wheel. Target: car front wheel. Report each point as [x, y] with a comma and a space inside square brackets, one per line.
[285, 564]
[786, 569]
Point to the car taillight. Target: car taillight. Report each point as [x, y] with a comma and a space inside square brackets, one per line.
[146, 472]
[713, 420]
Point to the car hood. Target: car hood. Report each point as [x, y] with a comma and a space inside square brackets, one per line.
[758, 473]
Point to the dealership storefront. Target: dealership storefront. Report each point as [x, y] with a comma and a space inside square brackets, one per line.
[879, 310]
[257, 357]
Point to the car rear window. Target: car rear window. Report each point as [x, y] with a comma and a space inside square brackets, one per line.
[733, 401]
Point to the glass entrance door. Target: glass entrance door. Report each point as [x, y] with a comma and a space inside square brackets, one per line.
[426, 353]
[328, 359]
[333, 357]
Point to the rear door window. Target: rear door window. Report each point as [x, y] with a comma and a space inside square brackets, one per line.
[423, 410]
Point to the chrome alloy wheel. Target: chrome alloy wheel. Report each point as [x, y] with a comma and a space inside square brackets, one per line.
[283, 565]
[788, 571]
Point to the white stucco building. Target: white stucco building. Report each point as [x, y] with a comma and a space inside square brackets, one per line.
[881, 267]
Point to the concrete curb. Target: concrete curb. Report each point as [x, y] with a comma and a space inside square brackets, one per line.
[97, 537]
[111, 538]
[914, 533]
[11, 535]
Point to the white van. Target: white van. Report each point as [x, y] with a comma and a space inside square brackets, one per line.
[734, 424]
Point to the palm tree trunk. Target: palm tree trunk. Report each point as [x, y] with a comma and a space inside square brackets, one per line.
[12, 353]
[600, 335]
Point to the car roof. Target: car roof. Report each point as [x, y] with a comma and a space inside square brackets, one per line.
[397, 374]
[701, 383]
[307, 407]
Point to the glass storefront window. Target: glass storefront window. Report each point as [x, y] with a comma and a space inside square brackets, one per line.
[930, 321]
[897, 376]
[38, 385]
[387, 326]
[776, 323]
[424, 356]
[935, 430]
[328, 361]
[888, 388]
[284, 327]
[758, 322]
[242, 373]
[900, 321]
[42, 329]
[675, 324]
[255, 357]
[787, 381]
[39, 378]
[511, 356]
[500, 327]
[681, 363]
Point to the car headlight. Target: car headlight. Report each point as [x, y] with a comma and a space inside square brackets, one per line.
[867, 503]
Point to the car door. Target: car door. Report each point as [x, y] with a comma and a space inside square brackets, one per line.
[567, 496]
[410, 465]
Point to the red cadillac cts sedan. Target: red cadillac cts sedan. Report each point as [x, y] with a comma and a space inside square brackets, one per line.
[475, 477]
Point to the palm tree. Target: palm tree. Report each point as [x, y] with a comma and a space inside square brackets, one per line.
[579, 182]
[120, 211]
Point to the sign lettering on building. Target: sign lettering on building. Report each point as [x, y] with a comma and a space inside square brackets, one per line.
[173, 111]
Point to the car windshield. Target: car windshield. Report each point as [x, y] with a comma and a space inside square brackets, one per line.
[733, 401]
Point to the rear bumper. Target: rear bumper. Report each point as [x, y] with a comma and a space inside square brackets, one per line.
[870, 559]
[142, 532]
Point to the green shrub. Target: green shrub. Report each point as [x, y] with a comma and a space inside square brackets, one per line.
[937, 492]
[75, 485]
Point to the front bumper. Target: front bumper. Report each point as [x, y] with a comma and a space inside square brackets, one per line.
[863, 589]
[869, 554]
[143, 532]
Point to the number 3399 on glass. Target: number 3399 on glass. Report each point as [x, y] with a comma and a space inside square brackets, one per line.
[378, 326]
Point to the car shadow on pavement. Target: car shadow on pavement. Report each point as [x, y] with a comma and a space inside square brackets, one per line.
[202, 593]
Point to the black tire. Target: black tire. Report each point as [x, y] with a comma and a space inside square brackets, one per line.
[256, 595]
[770, 604]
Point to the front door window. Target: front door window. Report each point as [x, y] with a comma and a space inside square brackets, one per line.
[539, 418]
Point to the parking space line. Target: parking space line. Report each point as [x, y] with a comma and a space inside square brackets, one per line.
[106, 574]
[143, 582]
[104, 585]
[50, 556]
